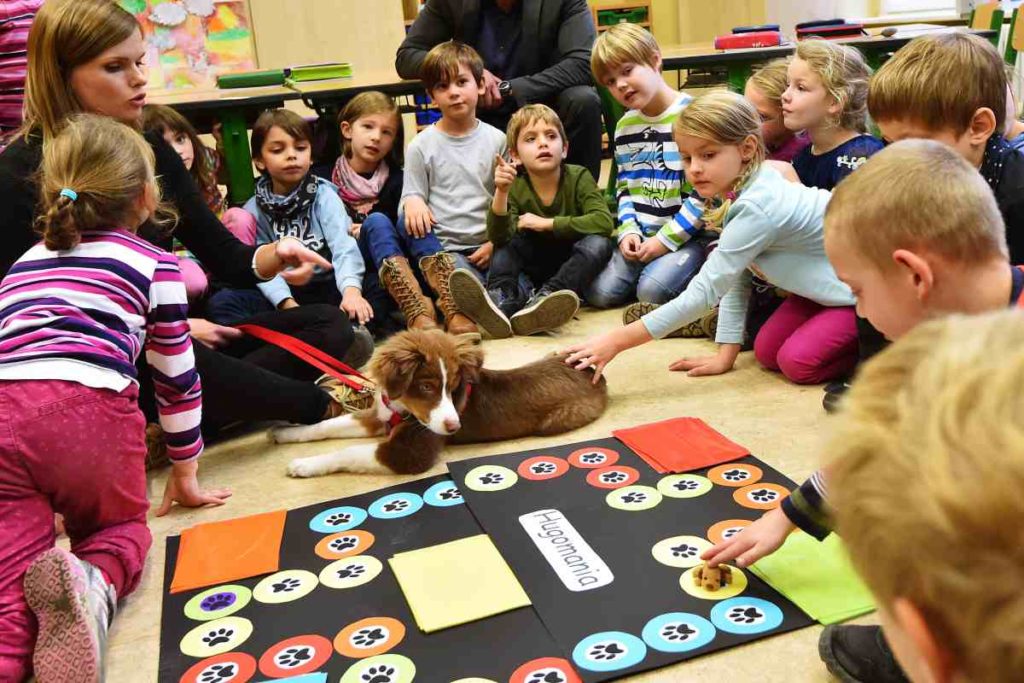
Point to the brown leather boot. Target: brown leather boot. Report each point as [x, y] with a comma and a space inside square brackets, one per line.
[397, 277]
[437, 269]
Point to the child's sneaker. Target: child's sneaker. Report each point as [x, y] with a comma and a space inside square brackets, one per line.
[472, 299]
[361, 348]
[74, 606]
[637, 310]
[546, 310]
[859, 654]
[344, 398]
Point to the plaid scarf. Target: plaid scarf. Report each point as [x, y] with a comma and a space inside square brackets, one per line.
[291, 215]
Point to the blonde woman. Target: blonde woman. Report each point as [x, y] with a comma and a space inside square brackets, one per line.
[87, 56]
[769, 226]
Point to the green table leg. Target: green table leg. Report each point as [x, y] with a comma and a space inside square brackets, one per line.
[237, 156]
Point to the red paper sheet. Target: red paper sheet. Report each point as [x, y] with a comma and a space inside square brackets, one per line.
[681, 444]
[228, 551]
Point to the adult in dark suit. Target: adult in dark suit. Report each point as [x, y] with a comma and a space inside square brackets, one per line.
[533, 51]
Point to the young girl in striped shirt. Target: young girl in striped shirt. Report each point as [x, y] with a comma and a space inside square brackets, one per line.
[76, 311]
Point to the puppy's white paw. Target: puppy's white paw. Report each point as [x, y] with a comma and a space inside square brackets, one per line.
[303, 468]
[287, 434]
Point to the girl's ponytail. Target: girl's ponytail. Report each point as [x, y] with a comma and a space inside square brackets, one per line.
[58, 225]
[726, 119]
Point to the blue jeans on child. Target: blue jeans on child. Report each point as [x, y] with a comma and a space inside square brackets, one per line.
[657, 282]
[383, 239]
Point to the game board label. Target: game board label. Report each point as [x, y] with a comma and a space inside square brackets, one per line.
[572, 558]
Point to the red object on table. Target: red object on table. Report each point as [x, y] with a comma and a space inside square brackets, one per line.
[681, 444]
[737, 41]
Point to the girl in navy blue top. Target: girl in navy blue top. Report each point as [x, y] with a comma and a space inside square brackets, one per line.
[827, 97]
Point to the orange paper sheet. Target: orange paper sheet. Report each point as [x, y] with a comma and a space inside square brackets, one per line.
[234, 549]
[681, 444]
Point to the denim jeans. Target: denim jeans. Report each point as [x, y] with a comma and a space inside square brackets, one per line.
[539, 260]
[657, 282]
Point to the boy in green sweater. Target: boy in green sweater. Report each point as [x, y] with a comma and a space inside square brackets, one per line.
[550, 228]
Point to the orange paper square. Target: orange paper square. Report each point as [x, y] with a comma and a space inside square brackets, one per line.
[228, 551]
[680, 445]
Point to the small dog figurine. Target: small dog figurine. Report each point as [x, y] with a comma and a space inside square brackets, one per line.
[712, 578]
[432, 388]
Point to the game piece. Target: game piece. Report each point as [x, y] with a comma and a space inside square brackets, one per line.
[712, 578]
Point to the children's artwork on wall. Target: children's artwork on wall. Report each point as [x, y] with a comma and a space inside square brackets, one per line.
[191, 42]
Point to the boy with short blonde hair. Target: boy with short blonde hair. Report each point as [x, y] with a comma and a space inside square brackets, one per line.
[926, 485]
[916, 234]
[658, 217]
[550, 227]
[951, 87]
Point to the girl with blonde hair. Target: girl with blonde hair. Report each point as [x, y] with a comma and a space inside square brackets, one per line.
[771, 227]
[827, 96]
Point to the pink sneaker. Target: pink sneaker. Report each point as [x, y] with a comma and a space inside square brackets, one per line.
[74, 605]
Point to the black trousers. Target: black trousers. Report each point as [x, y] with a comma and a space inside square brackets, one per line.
[250, 380]
[548, 262]
[579, 107]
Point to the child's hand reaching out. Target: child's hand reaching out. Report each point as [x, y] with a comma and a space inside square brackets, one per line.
[357, 308]
[718, 364]
[630, 246]
[183, 488]
[761, 538]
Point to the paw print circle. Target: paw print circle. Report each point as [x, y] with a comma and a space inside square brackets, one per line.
[735, 474]
[388, 668]
[443, 494]
[680, 551]
[678, 632]
[691, 586]
[337, 519]
[230, 667]
[351, 572]
[592, 458]
[396, 505]
[763, 496]
[490, 478]
[216, 637]
[545, 670]
[613, 476]
[727, 528]
[218, 602]
[296, 656]
[369, 637]
[684, 485]
[634, 498]
[609, 651]
[285, 586]
[746, 615]
[542, 468]
[343, 543]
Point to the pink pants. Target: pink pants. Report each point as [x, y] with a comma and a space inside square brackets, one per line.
[809, 343]
[194, 277]
[67, 448]
[241, 223]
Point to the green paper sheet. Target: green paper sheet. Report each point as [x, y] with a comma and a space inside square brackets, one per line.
[458, 582]
[818, 577]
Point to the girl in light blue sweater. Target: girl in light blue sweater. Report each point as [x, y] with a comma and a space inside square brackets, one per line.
[770, 227]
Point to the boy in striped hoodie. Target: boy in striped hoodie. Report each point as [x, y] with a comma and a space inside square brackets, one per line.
[658, 216]
[76, 310]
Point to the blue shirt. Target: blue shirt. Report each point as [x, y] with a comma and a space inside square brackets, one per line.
[499, 38]
[826, 170]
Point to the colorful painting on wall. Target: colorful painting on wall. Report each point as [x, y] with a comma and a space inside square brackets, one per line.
[191, 42]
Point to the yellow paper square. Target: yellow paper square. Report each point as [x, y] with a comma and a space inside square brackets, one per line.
[458, 582]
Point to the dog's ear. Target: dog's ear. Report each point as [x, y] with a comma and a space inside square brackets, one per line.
[395, 363]
[469, 356]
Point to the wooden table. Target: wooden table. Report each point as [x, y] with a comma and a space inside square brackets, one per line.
[237, 108]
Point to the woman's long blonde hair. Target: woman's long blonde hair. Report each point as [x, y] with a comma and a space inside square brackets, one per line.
[725, 118]
[106, 166]
[66, 34]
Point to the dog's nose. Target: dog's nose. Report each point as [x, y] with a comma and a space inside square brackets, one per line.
[451, 424]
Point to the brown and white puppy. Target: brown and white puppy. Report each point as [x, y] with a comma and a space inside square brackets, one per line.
[437, 384]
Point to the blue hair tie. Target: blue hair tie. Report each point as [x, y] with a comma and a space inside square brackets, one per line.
[69, 193]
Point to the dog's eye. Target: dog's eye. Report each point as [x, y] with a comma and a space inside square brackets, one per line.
[426, 387]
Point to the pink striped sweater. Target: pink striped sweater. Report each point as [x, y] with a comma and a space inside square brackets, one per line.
[15, 21]
[85, 314]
